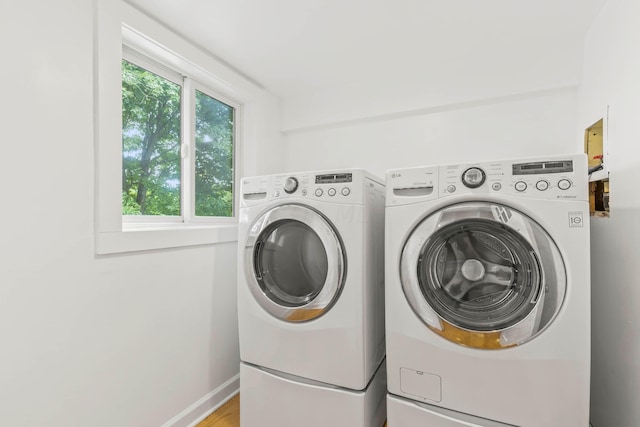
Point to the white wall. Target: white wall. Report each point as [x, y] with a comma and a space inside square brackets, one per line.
[86, 340]
[612, 76]
[508, 67]
[534, 124]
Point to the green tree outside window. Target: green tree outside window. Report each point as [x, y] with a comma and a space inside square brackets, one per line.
[151, 142]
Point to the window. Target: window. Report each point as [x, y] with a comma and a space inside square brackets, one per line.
[177, 146]
[214, 156]
[198, 170]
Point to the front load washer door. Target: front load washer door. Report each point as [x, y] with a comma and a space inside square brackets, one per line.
[295, 263]
[483, 275]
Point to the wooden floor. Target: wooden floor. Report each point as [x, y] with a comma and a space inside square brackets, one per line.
[228, 415]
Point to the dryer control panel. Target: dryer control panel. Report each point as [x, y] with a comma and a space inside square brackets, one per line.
[346, 187]
[557, 177]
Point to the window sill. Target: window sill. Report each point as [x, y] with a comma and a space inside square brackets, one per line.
[135, 238]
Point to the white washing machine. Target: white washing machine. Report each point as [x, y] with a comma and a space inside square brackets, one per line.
[311, 277]
[488, 294]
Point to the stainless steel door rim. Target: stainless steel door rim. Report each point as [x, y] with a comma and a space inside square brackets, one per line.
[295, 262]
[483, 274]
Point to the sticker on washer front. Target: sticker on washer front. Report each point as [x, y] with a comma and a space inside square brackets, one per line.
[575, 219]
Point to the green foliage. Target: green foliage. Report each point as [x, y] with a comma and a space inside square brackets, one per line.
[151, 109]
[214, 157]
[150, 143]
[129, 205]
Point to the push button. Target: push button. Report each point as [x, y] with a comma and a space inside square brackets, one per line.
[542, 185]
[521, 186]
[564, 184]
[319, 192]
[331, 192]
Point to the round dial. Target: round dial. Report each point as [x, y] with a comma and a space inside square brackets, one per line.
[290, 185]
[473, 177]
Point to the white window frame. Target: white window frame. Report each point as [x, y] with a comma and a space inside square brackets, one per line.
[156, 67]
[118, 24]
[238, 120]
[188, 86]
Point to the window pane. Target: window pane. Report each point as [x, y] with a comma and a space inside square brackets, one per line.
[150, 143]
[214, 157]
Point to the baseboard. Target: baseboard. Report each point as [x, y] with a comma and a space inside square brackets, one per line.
[201, 409]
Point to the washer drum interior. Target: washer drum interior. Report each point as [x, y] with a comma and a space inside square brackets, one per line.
[483, 275]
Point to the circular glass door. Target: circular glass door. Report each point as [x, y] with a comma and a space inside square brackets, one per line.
[295, 263]
[483, 275]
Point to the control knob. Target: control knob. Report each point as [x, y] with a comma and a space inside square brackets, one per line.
[290, 185]
[473, 177]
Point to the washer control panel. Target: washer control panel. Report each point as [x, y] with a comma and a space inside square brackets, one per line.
[555, 177]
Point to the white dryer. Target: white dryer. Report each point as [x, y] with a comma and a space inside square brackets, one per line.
[310, 277]
[488, 294]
